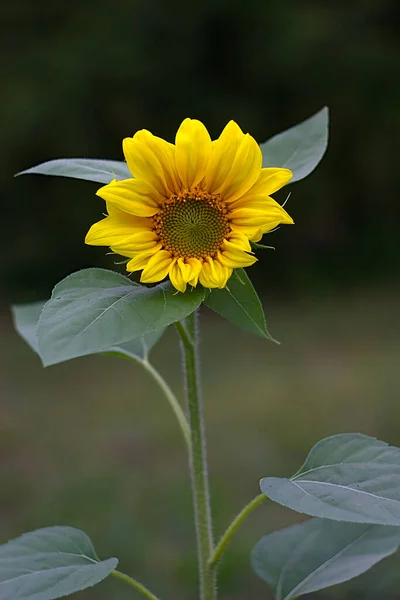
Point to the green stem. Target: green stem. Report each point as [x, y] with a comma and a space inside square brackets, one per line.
[237, 521]
[135, 584]
[198, 461]
[176, 407]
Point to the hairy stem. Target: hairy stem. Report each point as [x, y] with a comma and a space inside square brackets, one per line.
[198, 462]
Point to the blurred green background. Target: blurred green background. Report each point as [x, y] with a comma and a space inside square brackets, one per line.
[90, 443]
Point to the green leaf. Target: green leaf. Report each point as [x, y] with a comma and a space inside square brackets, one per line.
[26, 317]
[318, 554]
[94, 310]
[50, 563]
[239, 304]
[102, 171]
[299, 148]
[346, 477]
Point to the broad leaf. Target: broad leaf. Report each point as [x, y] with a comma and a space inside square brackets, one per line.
[318, 554]
[94, 310]
[239, 304]
[26, 317]
[50, 563]
[346, 477]
[102, 171]
[299, 148]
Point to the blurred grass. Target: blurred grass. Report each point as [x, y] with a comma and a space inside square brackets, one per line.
[92, 444]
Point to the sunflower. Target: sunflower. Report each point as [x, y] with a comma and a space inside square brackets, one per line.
[191, 209]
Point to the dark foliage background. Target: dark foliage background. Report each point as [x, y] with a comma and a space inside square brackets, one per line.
[77, 77]
[90, 443]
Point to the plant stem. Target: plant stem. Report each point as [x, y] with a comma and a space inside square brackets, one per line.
[237, 521]
[173, 401]
[135, 584]
[198, 462]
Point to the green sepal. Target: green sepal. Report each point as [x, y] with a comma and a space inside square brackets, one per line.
[257, 246]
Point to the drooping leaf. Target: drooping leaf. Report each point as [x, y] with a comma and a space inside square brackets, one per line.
[26, 317]
[102, 171]
[299, 148]
[346, 477]
[50, 563]
[94, 310]
[239, 304]
[319, 553]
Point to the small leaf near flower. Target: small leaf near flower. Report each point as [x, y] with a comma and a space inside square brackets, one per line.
[240, 304]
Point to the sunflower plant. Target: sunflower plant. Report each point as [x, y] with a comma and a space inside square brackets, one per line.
[189, 217]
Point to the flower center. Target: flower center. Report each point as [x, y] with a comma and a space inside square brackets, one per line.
[192, 224]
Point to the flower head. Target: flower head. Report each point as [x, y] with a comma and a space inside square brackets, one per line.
[191, 209]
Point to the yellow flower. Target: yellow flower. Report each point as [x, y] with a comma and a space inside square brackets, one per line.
[191, 209]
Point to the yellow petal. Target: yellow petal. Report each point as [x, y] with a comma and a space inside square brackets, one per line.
[270, 180]
[244, 172]
[207, 275]
[214, 274]
[239, 240]
[192, 152]
[114, 229]
[261, 202]
[176, 276]
[222, 273]
[257, 215]
[195, 265]
[222, 156]
[232, 257]
[125, 219]
[140, 259]
[132, 196]
[270, 226]
[256, 235]
[255, 218]
[157, 268]
[165, 153]
[183, 272]
[143, 162]
[136, 242]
